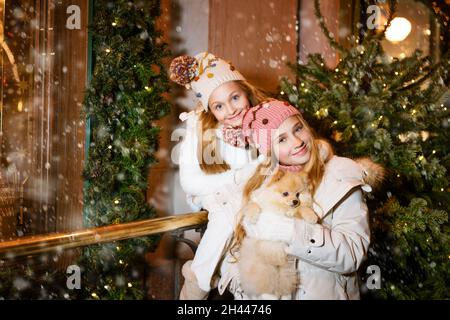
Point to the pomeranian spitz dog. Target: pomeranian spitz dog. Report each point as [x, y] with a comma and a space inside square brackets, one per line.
[265, 272]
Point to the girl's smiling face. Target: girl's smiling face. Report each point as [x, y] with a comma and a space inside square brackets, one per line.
[292, 142]
[228, 103]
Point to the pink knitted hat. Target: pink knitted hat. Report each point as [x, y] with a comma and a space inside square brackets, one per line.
[261, 121]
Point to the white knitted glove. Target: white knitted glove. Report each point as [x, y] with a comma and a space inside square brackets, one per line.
[272, 227]
[243, 174]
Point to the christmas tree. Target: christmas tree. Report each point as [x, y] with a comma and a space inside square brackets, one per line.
[394, 111]
[123, 99]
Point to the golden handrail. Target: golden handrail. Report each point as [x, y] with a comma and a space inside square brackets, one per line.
[60, 241]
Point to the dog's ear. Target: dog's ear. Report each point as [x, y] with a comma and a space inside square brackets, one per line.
[302, 181]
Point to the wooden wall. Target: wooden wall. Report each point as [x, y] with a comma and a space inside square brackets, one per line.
[259, 37]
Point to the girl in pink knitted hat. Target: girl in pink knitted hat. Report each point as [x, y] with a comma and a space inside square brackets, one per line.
[214, 161]
[328, 253]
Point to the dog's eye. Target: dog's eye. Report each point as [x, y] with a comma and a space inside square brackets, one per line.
[298, 194]
[285, 194]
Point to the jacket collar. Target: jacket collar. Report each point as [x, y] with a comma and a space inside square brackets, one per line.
[341, 175]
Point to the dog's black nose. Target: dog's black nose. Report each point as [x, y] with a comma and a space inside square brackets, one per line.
[295, 202]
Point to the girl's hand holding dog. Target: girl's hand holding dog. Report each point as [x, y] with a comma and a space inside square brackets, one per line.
[271, 227]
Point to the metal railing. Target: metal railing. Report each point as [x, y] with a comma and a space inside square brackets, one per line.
[60, 241]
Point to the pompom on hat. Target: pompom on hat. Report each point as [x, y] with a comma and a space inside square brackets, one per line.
[260, 121]
[203, 74]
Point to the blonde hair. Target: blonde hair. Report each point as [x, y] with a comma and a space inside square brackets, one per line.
[208, 121]
[314, 168]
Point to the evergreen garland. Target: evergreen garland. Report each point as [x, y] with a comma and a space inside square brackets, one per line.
[394, 112]
[123, 100]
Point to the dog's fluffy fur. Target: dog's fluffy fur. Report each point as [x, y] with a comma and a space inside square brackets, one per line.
[265, 271]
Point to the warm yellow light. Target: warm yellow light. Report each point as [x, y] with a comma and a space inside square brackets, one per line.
[20, 106]
[399, 29]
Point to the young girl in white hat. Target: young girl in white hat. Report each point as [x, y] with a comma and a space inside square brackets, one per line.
[330, 252]
[215, 161]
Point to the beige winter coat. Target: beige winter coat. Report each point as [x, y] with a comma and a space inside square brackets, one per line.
[328, 253]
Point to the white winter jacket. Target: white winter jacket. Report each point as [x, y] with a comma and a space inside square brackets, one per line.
[220, 194]
[330, 252]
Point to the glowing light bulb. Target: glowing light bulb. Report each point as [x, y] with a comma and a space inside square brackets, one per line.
[399, 29]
